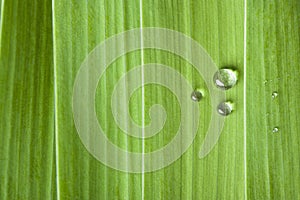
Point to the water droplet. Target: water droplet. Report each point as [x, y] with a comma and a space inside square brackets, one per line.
[274, 95]
[225, 78]
[225, 108]
[275, 130]
[196, 95]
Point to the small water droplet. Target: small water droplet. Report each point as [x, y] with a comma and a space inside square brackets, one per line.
[225, 78]
[275, 130]
[274, 95]
[196, 95]
[225, 108]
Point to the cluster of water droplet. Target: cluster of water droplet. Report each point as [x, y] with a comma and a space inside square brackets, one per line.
[224, 79]
[274, 95]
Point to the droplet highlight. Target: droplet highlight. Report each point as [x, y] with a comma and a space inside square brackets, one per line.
[196, 95]
[225, 78]
[274, 95]
[225, 108]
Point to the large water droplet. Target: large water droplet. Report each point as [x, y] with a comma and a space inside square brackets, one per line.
[225, 78]
[274, 95]
[196, 95]
[225, 108]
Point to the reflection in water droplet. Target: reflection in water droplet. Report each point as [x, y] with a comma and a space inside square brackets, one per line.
[275, 130]
[274, 95]
[225, 78]
[196, 95]
[225, 108]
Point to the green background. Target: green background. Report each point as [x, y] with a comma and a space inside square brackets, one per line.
[43, 44]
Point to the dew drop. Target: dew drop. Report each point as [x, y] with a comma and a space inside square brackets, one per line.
[274, 95]
[275, 130]
[225, 108]
[196, 95]
[225, 78]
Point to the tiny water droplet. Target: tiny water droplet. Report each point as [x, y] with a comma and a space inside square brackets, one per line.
[275, 129]
[225, 108]
[196, 95]
[225, 78]
[274, 95]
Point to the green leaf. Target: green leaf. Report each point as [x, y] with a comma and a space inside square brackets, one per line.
[42, 47]
[26, 101]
